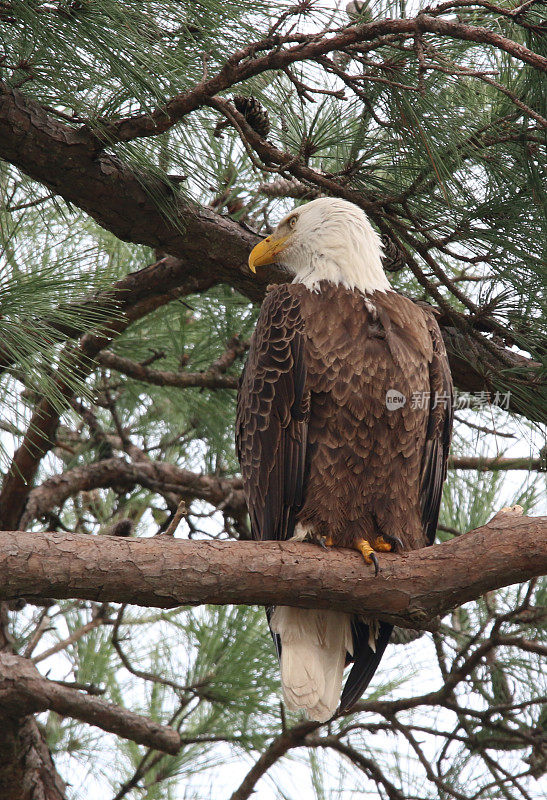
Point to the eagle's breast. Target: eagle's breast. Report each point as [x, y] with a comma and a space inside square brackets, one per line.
[364, 453]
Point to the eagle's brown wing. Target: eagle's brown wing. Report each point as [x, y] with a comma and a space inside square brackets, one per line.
[272, 418]
[439, 431]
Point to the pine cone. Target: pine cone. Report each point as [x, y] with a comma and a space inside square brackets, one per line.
[405, 635]
[394, 258]
[255, 114]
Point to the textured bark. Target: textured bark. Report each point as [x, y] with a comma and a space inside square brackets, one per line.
[410, 590]
[27, 771]
[23, 691]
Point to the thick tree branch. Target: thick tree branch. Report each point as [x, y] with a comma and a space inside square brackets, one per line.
[410, 590]
[122, 200]
[24, 691]
[26, 768]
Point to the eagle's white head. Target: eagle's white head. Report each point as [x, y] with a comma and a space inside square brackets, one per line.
[327, 239]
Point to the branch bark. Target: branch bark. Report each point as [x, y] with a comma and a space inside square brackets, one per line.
[124, 201]
[157, 475]
[24, 691]
[27, 771]
[209, 379]
[410, 590]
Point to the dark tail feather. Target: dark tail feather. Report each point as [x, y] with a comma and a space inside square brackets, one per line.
[275, 636]
[366, 661]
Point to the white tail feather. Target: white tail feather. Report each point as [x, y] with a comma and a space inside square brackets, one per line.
[313, 654]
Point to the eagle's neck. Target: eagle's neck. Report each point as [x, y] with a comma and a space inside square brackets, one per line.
[360, 270]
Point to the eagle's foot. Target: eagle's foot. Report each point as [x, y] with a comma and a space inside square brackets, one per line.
[368, 553]
[308, 535]
[385, 543]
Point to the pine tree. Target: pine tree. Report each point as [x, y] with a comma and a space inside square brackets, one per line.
[146, 147]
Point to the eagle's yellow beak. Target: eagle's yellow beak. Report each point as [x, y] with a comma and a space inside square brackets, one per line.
[266, 251]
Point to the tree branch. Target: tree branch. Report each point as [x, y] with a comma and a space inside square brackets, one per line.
[24, 691]
[367, 765]
[157, 475]
[124, 201]
[209, 379]
[410, 590]
[489, 464]
[75, 636]
[279, 747]
[244, 64]
[26, 768]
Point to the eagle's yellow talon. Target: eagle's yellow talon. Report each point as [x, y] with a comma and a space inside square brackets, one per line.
[365, 549]
[381, 546]
[368, 554]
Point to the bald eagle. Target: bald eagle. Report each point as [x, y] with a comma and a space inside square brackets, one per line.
[342, 432]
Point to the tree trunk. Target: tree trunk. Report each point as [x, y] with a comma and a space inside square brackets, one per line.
[27, 771]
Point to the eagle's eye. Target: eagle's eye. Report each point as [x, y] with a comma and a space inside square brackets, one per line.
[291, 222]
